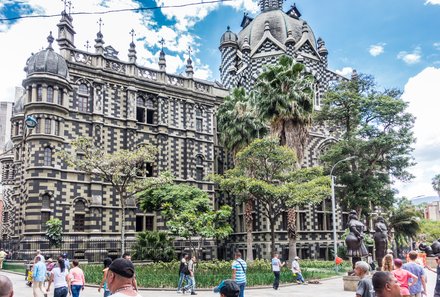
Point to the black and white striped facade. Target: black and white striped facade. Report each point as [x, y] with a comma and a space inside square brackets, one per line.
[261, 42]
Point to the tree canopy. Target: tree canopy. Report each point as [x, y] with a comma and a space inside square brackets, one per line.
[268, 172]
[436, 183]
[375, 127]
[188, 211]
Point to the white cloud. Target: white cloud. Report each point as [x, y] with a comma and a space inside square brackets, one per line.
[421, 91]
[187, 16]
[410, 57]
[346, 71]
[436, 45]
[377, 49]
[28, 36]
[433, 2]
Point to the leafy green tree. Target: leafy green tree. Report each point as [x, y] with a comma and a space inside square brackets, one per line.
[238, 126]
[54, 232]
[376, 127]
[405, 222]
[268, 172]
[430, 230]
[436, 183]
[123, 169]
[188, 212]
[153, 245]
[284, 98]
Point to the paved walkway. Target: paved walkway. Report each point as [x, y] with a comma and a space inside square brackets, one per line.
[328, 288]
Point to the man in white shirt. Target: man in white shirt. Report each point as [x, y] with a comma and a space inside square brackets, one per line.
[296, 270]
[276, 268]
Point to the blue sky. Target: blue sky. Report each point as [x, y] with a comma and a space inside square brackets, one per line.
[397, 41]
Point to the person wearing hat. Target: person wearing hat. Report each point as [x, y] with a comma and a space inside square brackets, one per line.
[120, 278]
[227, 288]
[296, 270]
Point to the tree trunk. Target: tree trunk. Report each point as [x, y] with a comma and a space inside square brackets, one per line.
[123, 227]
[296, 135]
[249, 207]
[272, 234]
[291, 231]
[277, 130]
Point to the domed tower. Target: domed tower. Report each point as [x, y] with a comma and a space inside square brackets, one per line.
[46, 100]
[228, 49]
[265, 38]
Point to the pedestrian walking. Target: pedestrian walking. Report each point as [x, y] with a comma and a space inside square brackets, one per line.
[6, 287]
[296, 271]
[239, 272]
[183, 273]
[38, 277]
[437, 285]
[412, 266]
[127, 256]
[403, 277]
[227, 288]
[364, 287]
[38, 253]
[276, 268]
[59, 276]
[107, 262]
[77, 280]
[3, 255]
[385, 284]
[191, 286]
[120, 278]
[387, 263]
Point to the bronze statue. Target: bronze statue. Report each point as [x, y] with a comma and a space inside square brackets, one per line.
[435, 246]
[355, 239]
[380, 240]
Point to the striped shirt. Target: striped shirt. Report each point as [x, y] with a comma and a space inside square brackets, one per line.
[240, 270]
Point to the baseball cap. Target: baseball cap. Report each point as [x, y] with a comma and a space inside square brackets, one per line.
[228, 287]
[122, 267]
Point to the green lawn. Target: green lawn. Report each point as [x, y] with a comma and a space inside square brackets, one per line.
[15, 267]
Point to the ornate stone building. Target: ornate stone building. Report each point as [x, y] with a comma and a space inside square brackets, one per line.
[120, 105]
[261, 42]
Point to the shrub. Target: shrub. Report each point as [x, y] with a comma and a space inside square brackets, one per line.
[153, 245]
[209, 273]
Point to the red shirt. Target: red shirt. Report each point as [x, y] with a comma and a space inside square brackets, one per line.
[402, 277]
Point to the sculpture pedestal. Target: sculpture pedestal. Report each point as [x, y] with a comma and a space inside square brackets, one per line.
[430, 261]
[350, 283]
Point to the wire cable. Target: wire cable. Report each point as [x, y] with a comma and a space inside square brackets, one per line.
[115, 10]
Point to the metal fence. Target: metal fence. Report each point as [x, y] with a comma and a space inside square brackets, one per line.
[76, 247]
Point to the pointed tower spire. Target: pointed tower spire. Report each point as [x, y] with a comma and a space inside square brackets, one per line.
[189, 67]
[162, 60]
[66, 34]
[132, 50]
[99, 41]
[270, 4]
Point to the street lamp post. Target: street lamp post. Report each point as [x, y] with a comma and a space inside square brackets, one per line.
[335, 239]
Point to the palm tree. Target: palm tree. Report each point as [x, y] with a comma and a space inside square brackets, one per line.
[405, 221]
[436, 183]
[284, 98]
[238, 126]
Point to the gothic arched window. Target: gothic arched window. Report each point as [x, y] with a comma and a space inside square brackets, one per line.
[79, 219]
[39, 93]
[199, 119]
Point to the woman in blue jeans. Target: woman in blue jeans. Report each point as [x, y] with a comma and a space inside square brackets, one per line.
[59, 276]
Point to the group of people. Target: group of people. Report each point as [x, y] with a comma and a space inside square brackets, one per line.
[65, 280]
[296, 271]
[395, 278]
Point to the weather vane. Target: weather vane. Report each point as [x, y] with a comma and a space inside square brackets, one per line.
[87, 46]
[100, 24]
[162, 42]
[132, 35]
